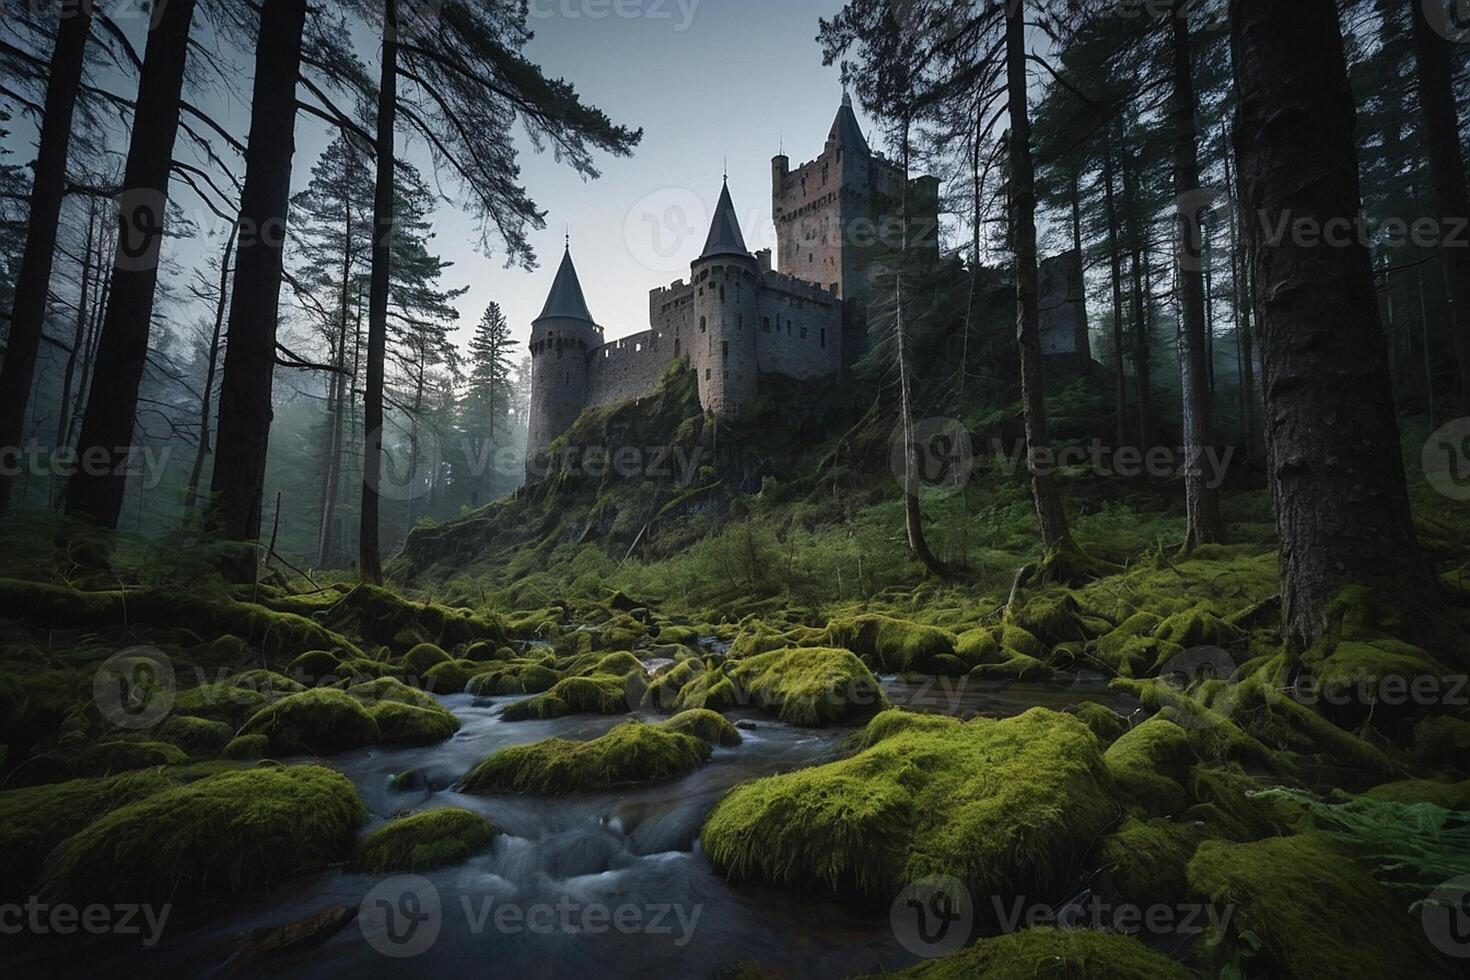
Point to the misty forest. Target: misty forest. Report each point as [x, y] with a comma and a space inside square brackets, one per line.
[1036, 546]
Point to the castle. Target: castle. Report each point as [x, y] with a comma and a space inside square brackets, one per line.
[738, 318]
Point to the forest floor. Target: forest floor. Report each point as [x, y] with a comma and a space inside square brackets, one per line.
[1135, 740]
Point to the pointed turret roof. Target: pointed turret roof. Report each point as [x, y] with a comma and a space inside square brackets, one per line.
[566, 299]
[724, 232]
[845, 129]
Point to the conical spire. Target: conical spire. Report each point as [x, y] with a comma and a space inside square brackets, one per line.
[845, 129]
[724, 232]
[566, 299]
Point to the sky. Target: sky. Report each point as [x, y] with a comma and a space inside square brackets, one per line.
[716, 85]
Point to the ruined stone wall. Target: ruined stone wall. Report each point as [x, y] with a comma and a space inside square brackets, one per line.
[627, 368]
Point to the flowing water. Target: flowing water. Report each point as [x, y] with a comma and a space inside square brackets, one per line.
[607, 885]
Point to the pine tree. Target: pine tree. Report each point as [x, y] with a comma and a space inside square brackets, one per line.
[488, 402]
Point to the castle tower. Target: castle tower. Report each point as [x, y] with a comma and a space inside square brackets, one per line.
[726, 280]
[560, 339]
[834, 215]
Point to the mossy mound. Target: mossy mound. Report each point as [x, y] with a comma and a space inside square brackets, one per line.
[514, 677]
[225, 835]
[1450, 796]
[631, 752]
[221, 702]
[1018, 667]
[1052, 618]
[422, 658]
[319, 722]
[619, 664]
[977, 646]
[1045, 953]
[1105, 723]
[664, 688]
[451, 676]
[808, 685]
[705, 724]
[1443, 740]
[1006, 806]
[486, 652]
[196, 736]
[1017, 640]
[246, 747]
[123, 755]
[267, 682]
[599, 695]
[893, 645]
[411, 724]
[391, 689]
[384, 618]
[315, 666]
[1145, 861]
[1305, 908]
[1150, 762]
[33, 820]
[423, 841]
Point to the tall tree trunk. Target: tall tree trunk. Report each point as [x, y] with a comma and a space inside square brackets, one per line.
[250, 356]
[1342, 506]
[1115, 260]
[1447, 172]
[105, 245]
[1082, 341]
[1050, 515]
[913, 514]
[340, 390]
[1250, 409]
[96, 493]
[368, 559]
[1142, 349]
[206, 397]
[1202, 504]
[79, 335]
[48, 186]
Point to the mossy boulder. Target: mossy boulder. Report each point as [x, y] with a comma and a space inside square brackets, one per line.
[1105, 723]
[423, 841]
[705, 724]
[35, 819]
[451, 676]
[122, 755]
[223, 651]
[1046, 953]
[196, 736]
[631, 752]
[246, 747]
[222, 836]
[1051, 618]
[267, 682]
[1005, 806]
[977, 646]
[663, 688]
[1305, 908]
[314, 667]
[221, 702]
[1018, 667]
[620, 664]
[422, 658]
[1450, 796]
[515, 677]
[391, 689]
[1017, 640]
[893, 645]
[319, 722]
[808, 685]
[486, 652]
[1443, 740]
[597, 694]
[411, 724]
[1195, 627]
[1145, 861]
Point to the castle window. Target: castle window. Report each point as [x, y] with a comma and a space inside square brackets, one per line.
[824, 337]
[568, 378]
[701, 325]
[706, 374]
[803, 333]
[740, 321]
[725, 348]
[788, 328]
[676, 346]
[727, 375]
[766, 324]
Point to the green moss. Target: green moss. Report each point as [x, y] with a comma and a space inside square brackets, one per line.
[196, 736]
[220, 702]
[224, 835]
[574, 695]
[1149, 762]
[977, 646]
[315, 666]
[391, 689]
[224, 651]
[1006, 806]
[486, 652]
[631, 752]
[35, 819]
[1058, 954]
[267, 682]
[1018, 667]
[423, 841]
[422, 658]
[1195, 627]
[808, 685]
[1312, 909]
[618, 665]
[704, 724]
[682, 635]
[451, 676]
[122, 755]
[1443, 740]
[1020, 641]
[246, 747]
[893, 645]
[1105, 723]
[318, 722]
[1052, 618]
[1450, 796]
[411, 724]
[664, 688]
[707, 689]
[515, 677]
[1145, 861]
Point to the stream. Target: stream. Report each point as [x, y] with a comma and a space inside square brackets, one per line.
[608, 884]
